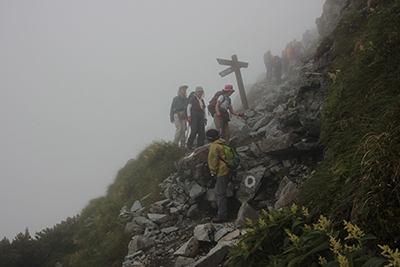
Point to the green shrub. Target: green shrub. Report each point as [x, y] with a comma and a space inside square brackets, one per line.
[101, 239]
[359, 178]
[289, 238]
[141, 176]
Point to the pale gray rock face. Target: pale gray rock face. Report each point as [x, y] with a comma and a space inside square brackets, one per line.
[203, 232]
[189, 249]
[333, 10]
[250, 183]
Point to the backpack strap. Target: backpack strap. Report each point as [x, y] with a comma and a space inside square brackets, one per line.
[226, 99]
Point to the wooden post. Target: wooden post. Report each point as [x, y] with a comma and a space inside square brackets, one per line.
[235, 66]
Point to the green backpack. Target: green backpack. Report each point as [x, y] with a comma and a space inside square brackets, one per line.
[232, 159]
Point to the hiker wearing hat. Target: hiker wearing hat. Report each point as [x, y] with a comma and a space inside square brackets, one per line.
[197, 118]
[222, 117]
[177, 115]
[220, 171]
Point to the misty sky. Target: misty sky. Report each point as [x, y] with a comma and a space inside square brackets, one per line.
[86, 85]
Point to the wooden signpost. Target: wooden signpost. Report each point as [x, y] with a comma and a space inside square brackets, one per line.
[235, 66]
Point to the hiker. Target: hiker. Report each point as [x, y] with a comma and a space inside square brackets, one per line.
[219, 171]
[177, 115]
[222, 117]
[277, 65]
[307, 38]
[285, 63]
[197, 118]
[268, 65]
[298, 48]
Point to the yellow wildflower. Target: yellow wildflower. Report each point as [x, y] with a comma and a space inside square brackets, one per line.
[332, 76]
[322, 261]
[294, 238]
[352, 248]
[264, 212]
[271, 218]
[307, 227]
[323, 224]
[294, 208]
[343, 261]
[244, 247]
[336, 245]
[354, 231]
[305, 211]
[393, 256]
[249, 221]
[262, 223]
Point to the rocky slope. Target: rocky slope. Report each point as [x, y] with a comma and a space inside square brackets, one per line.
[277, 140]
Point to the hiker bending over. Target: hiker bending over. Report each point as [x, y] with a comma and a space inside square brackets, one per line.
[220, 171]
[177, 115]
[222, 117]
[197, 118]
[268, 65]
[277, 65]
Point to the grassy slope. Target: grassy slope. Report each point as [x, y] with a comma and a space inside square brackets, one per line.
[360, 176]
[101, 239]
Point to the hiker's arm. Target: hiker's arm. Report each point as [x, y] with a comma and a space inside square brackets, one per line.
[171, 112]
[205, 112]
[233, 112]
[213, 160]
[189, 107]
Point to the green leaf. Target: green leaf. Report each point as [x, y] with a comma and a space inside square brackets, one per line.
[332, 264]
[295, 261]
[296, 223]
[349, 258]
[368, 237]
[375, 262]
[321, 247]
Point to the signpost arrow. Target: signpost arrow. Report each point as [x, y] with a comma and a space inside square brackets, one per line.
[225, 62]
[227, 71]
[235, 66]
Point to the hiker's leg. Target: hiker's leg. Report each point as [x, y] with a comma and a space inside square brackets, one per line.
[193, 130]
[178, 128]
[227, 131]
[220, 194]
[202, 132]
[183, 132]
[217, 122]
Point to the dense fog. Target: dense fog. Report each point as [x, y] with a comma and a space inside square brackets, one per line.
[86, 85]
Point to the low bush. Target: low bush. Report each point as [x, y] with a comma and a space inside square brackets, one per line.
[290, 238]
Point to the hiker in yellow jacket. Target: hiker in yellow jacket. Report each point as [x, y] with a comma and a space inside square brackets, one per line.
[220, 171]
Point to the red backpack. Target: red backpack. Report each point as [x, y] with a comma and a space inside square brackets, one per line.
[213, 102]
